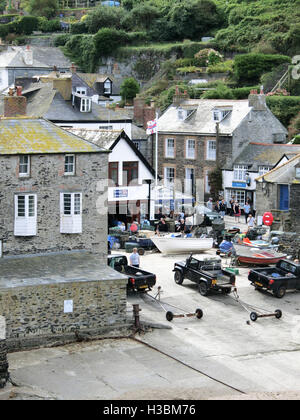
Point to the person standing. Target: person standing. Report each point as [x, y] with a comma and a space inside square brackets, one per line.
[134, 258]
[162, 226]
[236, 212]
[223, 208]
[231, 203]
[209, 204]
[251, 222]
[247, 209]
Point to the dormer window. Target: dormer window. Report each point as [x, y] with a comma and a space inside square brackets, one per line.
[81, 91]
[181, 114]
[220, 114]
[107, 87]
[85, 105]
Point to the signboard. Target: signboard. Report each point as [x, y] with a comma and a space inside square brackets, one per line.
[121, 193]
[239, 184]
[68, 306]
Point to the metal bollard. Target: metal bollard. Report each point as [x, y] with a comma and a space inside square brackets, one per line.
[136, 314]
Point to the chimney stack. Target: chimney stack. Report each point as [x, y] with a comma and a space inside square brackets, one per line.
[28, 56]
[257, 101]
[14, 105]
[179, 97]
[73, 68]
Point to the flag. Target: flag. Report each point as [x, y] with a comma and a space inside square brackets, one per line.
[151, 127]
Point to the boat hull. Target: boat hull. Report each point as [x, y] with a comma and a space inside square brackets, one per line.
[257, 256]
[169, 245]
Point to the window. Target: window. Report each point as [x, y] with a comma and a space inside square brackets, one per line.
[81, 90]
[189, 180]
[69, 164]
[211, 152]
[240, 196]
[220, 114]
[190, 149]
[113, 174]
[207, 186]
[137, 144]
[25, 215]
[70, 212]
[169, 176]
[263, 170]
[105, 127]
[24, 165]
[130, 173]
[107, 87]
[239, 172]
[170, 148]
[85, 105]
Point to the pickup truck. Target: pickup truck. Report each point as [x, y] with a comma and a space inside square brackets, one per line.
[138, 280]
[278, 279]
[208, 274]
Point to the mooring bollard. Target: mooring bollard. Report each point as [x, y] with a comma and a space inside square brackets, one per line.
[136, 314]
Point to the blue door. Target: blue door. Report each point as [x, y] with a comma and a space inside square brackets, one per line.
[283, 197]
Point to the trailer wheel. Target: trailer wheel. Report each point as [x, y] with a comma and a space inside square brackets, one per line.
[278, 313]
[253, 316]
[280, 292]
[199, 313]
[226, 290]
[169, 316]
[141, 251]
[203, 289]
[178, 277]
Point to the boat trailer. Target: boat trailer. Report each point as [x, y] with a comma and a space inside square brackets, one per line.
[169, 314]
[254, 311]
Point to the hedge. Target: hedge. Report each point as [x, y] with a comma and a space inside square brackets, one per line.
[284, 107]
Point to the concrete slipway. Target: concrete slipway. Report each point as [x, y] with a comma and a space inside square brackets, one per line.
[221, 356]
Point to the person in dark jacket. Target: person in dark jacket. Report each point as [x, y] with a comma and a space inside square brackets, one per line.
[162, 226]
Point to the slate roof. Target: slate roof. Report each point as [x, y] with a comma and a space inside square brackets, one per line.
[42, 57]
[263, 154]
[38, 136]
[201, 120]
[283, 173]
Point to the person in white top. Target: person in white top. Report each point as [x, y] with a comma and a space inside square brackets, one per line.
[134, 258]
[209, 204]
[251, 221]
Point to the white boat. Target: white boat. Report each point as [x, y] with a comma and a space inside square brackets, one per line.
[177, 245]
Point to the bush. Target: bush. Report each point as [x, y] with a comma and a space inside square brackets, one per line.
[220, 92]
[250, 67]
[46, 25]
[107, 40]
[285, 108]
[25, 25]
[224, 67]
[129, 89]
[61, 40]
[79, 28]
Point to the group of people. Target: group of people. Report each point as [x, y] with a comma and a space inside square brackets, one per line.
[234, 209]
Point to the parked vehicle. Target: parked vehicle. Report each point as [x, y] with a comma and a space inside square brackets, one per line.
[138, 280]
[208, 274]
[278, 279]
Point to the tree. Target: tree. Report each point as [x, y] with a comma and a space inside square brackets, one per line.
[107, 40]
[47, 8]
[104, 17]
[129, 89]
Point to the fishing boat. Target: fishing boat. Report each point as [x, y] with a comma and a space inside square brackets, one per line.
[258, 243]
[257, 256]
[172, 244]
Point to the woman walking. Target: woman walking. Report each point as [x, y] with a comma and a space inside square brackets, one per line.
[236, 212]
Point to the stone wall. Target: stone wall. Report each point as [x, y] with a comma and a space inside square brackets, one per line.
[35, 315]
[47, 181]
[3, 354]
[290, 244]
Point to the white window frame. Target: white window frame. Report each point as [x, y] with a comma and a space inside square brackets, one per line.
[85, 104]
[169, 181]
[169, 151]
[206, 183]
[23, 164]
[80, 90]
[188, 181]
[71, 221]
[26, 223]
[239, 172]
[211, 152]
[106, 89]
[263, 169]
[189, 149]
[69, 165]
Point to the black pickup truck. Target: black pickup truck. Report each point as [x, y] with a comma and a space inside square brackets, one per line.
[208, 274]
[278, 279]
[138, 280]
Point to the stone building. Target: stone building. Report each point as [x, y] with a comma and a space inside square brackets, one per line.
[3, 355]
[54, 280]
[278, 191]
[196, 135]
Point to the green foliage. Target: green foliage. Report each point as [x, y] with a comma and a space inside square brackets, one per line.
[250, 67]
[129, 89]
[47, 8]
[215, 181]
[107, 40]
[46, 25]
[25, 25]
[223, 67]
[61, 40]
[221, 91]
[285, 108]
[104, 17]
[81, 49]
[79, 28]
